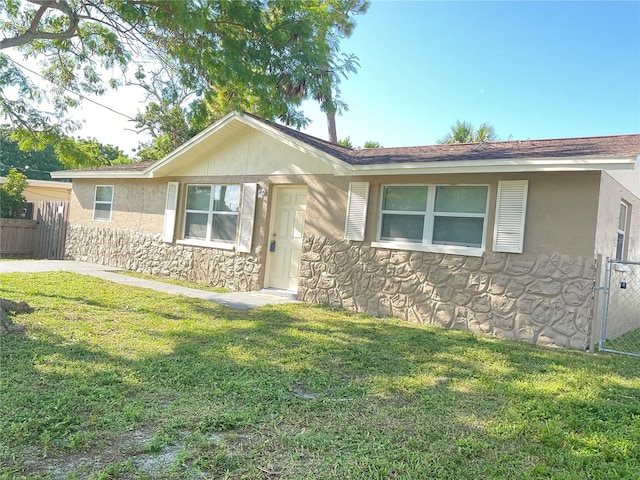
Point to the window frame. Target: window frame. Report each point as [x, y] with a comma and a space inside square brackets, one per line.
[102, 202]
[621, 253]
[211, 213]
[426, 243]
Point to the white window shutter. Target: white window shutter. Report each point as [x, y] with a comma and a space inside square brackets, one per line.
[170, 212]
[247, 215]
[511, 209]
[356, 211]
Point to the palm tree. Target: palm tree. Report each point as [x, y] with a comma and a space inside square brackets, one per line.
[464, 132]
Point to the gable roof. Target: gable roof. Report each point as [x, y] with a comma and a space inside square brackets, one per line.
[565, 154]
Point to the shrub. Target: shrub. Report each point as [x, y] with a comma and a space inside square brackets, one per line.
[12, 201]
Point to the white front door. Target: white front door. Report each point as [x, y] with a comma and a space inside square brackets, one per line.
[285, 237]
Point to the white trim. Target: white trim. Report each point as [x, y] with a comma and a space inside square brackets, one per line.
[43, 183]
[493, 166]
[342, 169]
[102, 202]
[210, 212]
[356, 218]
[203, 243]
[429, 215]
[418, 247]
[622, 231]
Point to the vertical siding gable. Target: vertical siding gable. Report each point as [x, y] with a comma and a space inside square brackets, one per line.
[249, 152]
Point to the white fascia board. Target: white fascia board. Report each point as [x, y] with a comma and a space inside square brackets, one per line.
[43, 183]
[99, 174]
[494, 166]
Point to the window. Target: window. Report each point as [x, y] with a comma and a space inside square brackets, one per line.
[434, 215]
[102, 203]
[211, 213]
[622, 228]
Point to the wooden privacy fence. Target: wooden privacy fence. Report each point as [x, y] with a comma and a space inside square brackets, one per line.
[42, 237]
[52, 220]
[17, 238]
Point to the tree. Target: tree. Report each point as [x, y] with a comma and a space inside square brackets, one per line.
[39, 159]
[34, 164]
[262, 56]
[345, 142]
[172, 114]
[464, 132]
[12, 200]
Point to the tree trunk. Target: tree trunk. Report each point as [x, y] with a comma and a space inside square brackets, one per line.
[331, 125]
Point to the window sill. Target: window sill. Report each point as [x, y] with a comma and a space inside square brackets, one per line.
[448, 249]
[203, 243]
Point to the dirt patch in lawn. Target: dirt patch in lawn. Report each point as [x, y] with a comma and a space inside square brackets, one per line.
[126, 455]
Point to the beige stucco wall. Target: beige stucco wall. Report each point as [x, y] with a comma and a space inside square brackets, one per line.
[561, 208]
[612, 193]
[623, 314]
[629, 179]
[138, 205]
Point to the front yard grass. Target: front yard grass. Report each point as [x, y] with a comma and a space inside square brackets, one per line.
[113, 382]
[629, 342]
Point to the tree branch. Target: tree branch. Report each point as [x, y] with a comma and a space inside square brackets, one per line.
[32, 33]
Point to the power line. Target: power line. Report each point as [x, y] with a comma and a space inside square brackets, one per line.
[81, 96]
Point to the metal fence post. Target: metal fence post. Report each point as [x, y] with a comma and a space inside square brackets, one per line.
[596, 317]
[605, 304]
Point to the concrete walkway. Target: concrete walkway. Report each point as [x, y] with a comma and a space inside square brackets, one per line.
[239, 300]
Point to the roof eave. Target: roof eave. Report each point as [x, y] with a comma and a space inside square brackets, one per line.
[494, 166]
[100, 174]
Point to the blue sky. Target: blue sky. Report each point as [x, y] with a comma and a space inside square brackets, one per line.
[531, 69]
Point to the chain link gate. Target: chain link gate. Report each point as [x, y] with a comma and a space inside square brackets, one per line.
[620, 327]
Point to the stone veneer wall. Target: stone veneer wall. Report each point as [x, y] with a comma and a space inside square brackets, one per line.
[147, 253]
[545, 300]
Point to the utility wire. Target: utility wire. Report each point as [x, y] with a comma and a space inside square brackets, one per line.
[82, 97]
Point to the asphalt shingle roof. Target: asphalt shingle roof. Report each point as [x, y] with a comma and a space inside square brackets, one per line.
[603, 146]
[585, 147]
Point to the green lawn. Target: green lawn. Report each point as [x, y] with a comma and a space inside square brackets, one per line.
[112, 382]
[629, 342]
